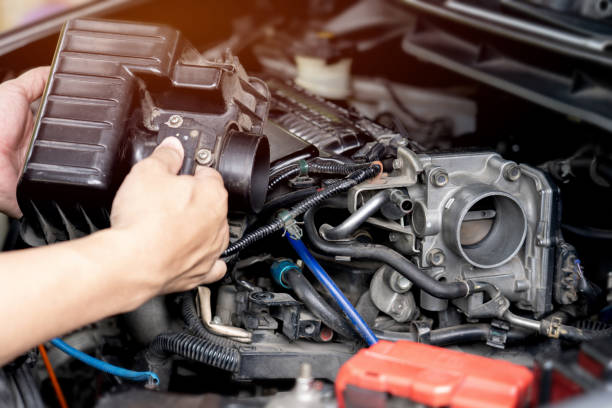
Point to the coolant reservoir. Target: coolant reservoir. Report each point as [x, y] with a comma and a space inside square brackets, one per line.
[331, 81]
[324, 65]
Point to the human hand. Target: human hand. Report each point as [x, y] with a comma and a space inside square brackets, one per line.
[175, 226]
[16, 125]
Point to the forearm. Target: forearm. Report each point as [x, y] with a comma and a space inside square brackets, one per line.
[49, 291]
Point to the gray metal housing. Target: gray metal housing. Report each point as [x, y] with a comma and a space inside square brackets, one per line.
[512, 206]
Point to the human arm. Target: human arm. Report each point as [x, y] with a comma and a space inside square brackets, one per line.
[166, 235]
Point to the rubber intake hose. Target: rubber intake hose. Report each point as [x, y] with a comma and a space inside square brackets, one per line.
[197, 349]
[103, 365]
[334, 291]
[195, 325]
[383, 254]
[316, 304]
[278, 224]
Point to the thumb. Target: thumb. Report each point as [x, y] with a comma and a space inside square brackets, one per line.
[169, 155]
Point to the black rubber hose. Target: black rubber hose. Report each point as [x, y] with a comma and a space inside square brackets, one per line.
[461, 334]
[338, 187]
[381, 253]
[317, 305]
[197, 349]
[315, 166]
[470, 333]
[195, 325]
[467, 333]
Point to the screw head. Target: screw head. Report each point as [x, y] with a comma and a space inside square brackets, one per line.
[436, 257]
[512, 172]
[439, 177]
[204, 157]
[403, 283]
[397, 164]
[175, 121]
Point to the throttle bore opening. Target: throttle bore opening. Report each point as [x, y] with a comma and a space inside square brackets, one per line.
[478, 222]
[491, 230]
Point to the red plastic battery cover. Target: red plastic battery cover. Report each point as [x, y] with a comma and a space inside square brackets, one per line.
[435, 377]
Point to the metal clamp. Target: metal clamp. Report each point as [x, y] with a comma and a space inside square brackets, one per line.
[498, 334]
[554, 329]
[291, 226]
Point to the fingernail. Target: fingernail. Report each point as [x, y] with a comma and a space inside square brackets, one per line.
[173, 143]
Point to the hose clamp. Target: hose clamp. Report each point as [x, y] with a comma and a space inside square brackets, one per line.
[290, 225]
[554, 330]
[303, 168]
[278, 270]
[469, 290]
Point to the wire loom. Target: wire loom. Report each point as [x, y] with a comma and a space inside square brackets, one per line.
[278, 224]
[197, 349]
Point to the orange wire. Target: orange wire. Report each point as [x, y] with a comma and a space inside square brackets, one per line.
[52, 377]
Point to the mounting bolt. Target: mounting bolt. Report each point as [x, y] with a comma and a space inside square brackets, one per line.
[403, 283]
[397, 164]
[175, 121]
[204, 157]
[512, 172]
[439, 177]
[394, 237]
[436, 257]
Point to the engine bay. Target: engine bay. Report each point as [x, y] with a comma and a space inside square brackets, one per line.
[394, 182]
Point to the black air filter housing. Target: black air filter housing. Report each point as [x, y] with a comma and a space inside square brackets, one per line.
[116, 90]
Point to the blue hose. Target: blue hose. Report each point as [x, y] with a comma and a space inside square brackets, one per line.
[104, 366]
[343, 302]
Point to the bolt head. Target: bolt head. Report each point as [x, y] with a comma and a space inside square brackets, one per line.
[436, 257]
[175, 121]
[397, 164]
[204, 157]
[394, 237]
[403, 283]
[439, 178]
[512, 172]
